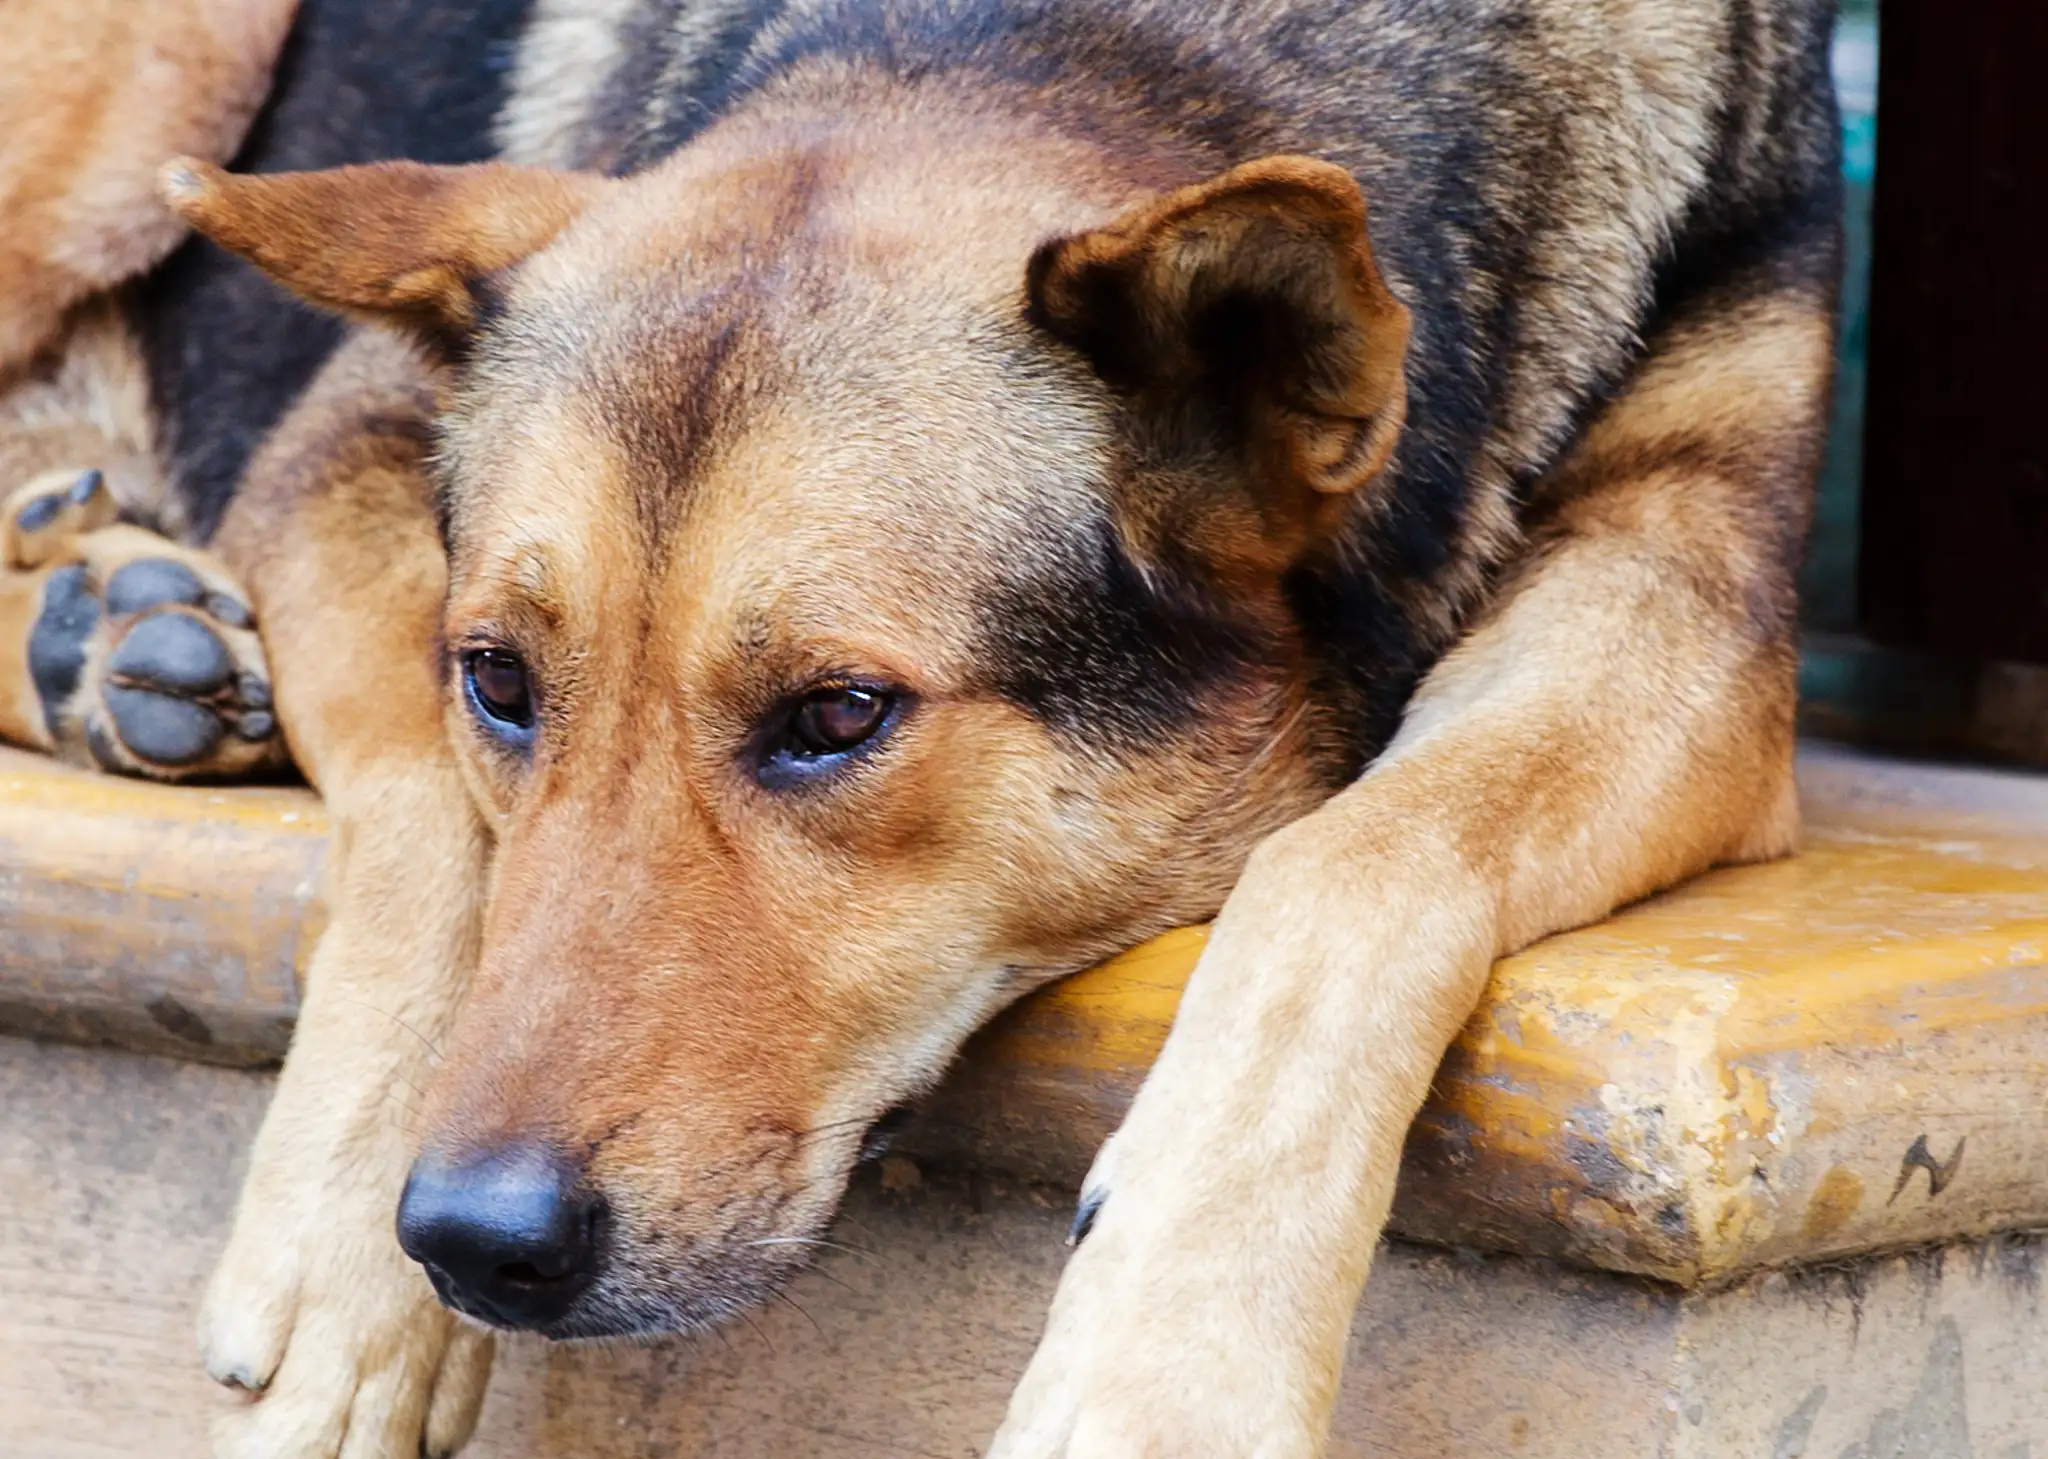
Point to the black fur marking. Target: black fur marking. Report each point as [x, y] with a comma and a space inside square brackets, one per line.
[1772, 201]
[1089, 70]
[150, 582]
[1087, 65]
[162, 728]
[1369, 655]
[359, 81]
[1101, 653]
[56, 645]
[668, 442]
[657, 104]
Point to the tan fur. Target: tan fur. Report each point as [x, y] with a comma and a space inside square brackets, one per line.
[313, 1303]
[98, 93]
[83, 401]
[398, 256]
[21, 708]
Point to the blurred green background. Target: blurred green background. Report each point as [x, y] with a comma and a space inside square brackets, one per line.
[1828, 583]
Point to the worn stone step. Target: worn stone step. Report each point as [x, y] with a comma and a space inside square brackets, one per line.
[119, 1174]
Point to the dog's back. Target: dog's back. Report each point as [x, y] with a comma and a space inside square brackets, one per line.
[1544, 180]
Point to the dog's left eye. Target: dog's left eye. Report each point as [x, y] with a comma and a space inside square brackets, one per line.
[823, 730]
[833, 721]
[501, 690]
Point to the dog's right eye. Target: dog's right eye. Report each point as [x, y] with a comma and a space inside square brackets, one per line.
[500, 689]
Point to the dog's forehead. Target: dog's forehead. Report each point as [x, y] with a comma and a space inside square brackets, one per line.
[772, 431]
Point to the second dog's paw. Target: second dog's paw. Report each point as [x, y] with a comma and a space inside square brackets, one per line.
[146, 662]
[41, 517]
[337, 1342]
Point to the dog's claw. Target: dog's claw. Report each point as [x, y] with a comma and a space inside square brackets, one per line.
[1085, 1214]
[231, 611]
[239, 1379]
[89, 485]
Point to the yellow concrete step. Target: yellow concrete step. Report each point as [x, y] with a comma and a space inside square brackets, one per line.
[1836, 1053]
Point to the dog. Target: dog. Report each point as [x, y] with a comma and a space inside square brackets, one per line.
[861, 509]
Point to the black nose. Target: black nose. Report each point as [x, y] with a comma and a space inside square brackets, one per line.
[510, 1236]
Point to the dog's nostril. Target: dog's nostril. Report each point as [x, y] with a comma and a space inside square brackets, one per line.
[509, 1234]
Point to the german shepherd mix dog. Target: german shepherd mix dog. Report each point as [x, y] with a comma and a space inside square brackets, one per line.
[870, 507]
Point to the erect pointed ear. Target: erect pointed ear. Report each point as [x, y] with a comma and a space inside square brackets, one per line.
[1249, 310]
[402, 241]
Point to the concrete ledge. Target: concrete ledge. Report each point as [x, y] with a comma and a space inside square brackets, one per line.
[171, 920]
[1835, 1054]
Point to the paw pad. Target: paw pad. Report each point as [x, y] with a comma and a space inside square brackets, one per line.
[174, 652]
[161, 728]
[151, 582]
[56, 645]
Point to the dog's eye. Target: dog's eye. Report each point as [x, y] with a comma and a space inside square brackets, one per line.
[499, 684]
[833, 721]
[814, 737]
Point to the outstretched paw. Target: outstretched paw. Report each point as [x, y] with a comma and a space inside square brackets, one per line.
[142, 654]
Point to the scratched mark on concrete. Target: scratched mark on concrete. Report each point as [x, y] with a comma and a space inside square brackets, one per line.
[1797, 1428]
[1933, 1423]
[1939, 1172]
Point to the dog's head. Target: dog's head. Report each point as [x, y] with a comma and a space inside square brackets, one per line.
[868, 601]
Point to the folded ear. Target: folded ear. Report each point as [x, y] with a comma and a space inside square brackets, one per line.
[1245, 312]
[401, 241]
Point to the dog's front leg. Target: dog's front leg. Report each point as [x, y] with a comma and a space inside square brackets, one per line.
[314, 1310]
[1620, 719]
